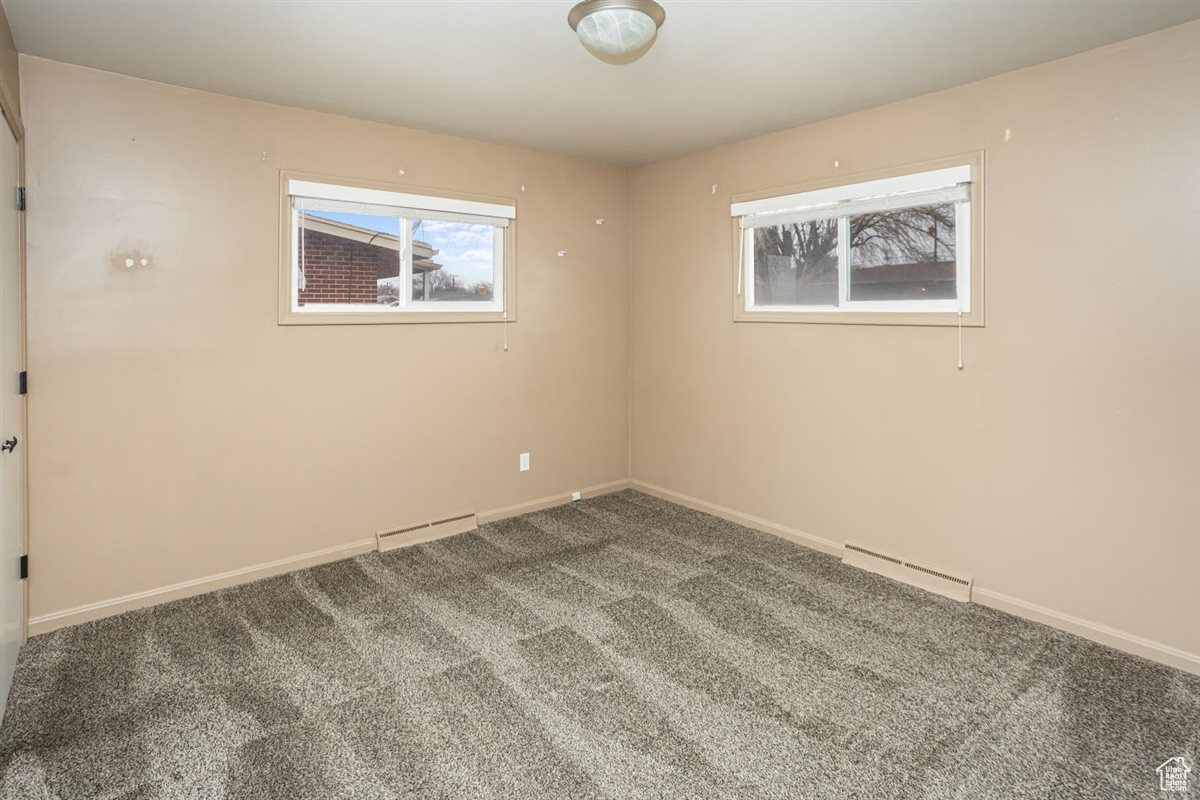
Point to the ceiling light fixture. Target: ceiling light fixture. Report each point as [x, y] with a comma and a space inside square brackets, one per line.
[617, 31]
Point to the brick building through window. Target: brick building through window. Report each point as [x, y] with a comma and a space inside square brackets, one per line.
[343, 263]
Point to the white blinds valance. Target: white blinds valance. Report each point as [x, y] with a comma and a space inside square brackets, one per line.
[950, 194]
[375, 210]
[951, 185]
[314, 196]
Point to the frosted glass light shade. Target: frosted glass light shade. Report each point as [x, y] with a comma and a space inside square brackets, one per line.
[617, 31]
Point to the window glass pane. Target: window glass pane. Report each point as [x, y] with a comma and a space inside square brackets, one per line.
[348, 258]
[796, 264]
[903, 254]
[453, 261]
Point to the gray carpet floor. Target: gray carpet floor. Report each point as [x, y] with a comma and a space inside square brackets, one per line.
[622, 647]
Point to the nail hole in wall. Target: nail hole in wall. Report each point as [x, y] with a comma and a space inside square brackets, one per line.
[128, 260]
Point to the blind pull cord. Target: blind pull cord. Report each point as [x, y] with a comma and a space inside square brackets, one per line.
[506, 327]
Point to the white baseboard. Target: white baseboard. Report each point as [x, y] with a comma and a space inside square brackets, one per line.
[549, 502]
[747, 520]
[44, 623]
[1096, 632]
[1117, 639]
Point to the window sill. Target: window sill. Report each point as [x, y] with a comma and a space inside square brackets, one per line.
[973, 319]
[391, 318]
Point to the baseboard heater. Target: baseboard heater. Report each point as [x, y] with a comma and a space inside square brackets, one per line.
[425, 531]
[939, 581]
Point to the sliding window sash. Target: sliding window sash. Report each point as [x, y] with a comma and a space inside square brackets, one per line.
[841, 203]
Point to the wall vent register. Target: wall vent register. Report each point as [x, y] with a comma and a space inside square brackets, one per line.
[417, 533]
[957, 587]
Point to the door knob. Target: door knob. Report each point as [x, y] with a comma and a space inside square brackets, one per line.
[9, 444]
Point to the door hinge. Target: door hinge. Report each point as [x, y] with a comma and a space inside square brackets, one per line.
[20, 198]
[24, 567]
[22, 382]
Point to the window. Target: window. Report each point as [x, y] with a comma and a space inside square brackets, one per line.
[898, 246]
[358, 254]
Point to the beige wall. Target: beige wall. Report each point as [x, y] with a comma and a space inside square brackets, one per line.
[1062, 466]
[176, 431]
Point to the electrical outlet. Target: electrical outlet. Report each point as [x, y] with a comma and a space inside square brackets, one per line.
[576, 496]
[524, 462]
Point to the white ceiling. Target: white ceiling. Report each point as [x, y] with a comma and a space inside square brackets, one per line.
[512, 71]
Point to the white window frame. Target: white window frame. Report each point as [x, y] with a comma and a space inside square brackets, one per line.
[301, 194]
[957, 183]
